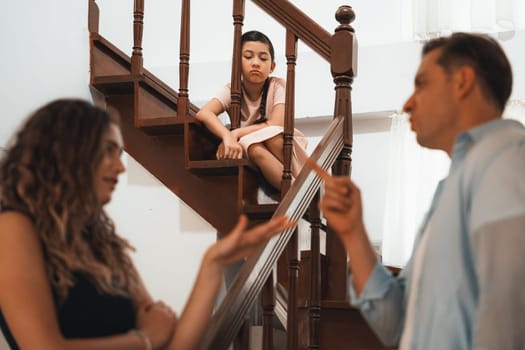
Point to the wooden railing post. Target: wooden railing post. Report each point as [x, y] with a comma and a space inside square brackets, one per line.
[238, 18]
[289, 110]
[184, 59]
[314, 310]
[268, 302]
[93, 16]
[137, 64]
[343, 62]
[289, 118]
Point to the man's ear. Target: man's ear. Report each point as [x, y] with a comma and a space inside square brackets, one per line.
[465, 80]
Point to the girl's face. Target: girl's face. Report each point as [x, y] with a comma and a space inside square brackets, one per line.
[110, 166]
[257, 62]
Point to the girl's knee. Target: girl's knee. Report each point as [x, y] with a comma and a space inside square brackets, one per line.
[256, 151]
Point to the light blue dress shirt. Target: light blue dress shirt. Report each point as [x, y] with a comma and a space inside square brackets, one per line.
[471, 291]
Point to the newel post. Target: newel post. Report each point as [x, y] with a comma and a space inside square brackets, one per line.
[343, 63]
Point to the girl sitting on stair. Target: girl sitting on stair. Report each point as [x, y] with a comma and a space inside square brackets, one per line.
[262, 114]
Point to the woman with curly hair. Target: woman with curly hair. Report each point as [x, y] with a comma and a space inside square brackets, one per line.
[67, 278]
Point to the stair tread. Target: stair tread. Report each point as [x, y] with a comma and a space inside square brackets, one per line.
[260, 211]
[218, 167]
[215, 163]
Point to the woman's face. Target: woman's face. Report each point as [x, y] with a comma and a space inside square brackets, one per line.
[110, 166]
[257, 62]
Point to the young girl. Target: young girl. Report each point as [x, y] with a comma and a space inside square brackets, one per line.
[262, 114]
[67, 280]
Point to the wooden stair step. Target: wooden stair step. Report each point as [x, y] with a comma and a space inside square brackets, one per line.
[260, 211]
[217, 167]
[115, 84]
[163, 125]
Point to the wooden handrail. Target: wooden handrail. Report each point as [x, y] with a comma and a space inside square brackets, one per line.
[306, 29]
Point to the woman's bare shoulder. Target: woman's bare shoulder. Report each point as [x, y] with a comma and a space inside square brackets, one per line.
[17, 226]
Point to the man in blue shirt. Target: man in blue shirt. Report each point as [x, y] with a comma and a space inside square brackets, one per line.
[464, 286]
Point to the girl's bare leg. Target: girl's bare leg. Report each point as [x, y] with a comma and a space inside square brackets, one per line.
[276, 146]
[270, 165]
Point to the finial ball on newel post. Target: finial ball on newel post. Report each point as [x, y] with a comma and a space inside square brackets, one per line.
[343, 44]
[345, 15]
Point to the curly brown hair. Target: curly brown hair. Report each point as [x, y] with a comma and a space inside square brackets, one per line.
[48, 174]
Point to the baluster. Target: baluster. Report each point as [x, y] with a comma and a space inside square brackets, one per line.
[238, 18]
[343, 63]
[268, 301]
[293, 260]
[138, 26]
[184, 59]
[289, 111]
[314, 310]
[93, 16]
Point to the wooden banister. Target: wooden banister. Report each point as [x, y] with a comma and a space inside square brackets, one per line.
[307, 30]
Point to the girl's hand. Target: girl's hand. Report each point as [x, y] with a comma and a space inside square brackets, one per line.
[240, 243]
[235, 133]
[157, 322]
[229, 148]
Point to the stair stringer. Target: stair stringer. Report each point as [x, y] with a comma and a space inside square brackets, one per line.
[156, 140]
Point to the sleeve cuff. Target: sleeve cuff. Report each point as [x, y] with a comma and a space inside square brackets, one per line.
[376, 287]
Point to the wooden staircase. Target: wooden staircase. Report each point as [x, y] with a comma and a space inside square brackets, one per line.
[160, 131]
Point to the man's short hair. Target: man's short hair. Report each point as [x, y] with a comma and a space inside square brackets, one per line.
[484, 55]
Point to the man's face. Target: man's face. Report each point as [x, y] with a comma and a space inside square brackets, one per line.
[433, 105]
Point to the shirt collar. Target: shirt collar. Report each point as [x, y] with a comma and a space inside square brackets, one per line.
[467, 139]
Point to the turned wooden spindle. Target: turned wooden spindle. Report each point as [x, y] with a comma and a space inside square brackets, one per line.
[184, 59]
[138, 28]
[238, 19]
[314, 309]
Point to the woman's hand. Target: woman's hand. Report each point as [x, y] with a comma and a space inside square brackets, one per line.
[157, 322]
[229, 148]
[240, 243]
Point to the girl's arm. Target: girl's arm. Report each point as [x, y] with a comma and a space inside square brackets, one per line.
[234, 247]
[277, 118]
[230, 148]
[208, 115]
[27, 303]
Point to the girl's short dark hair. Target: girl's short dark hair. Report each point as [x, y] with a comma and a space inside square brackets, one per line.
[255, 35]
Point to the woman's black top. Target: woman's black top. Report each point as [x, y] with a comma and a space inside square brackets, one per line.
[86, 313]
